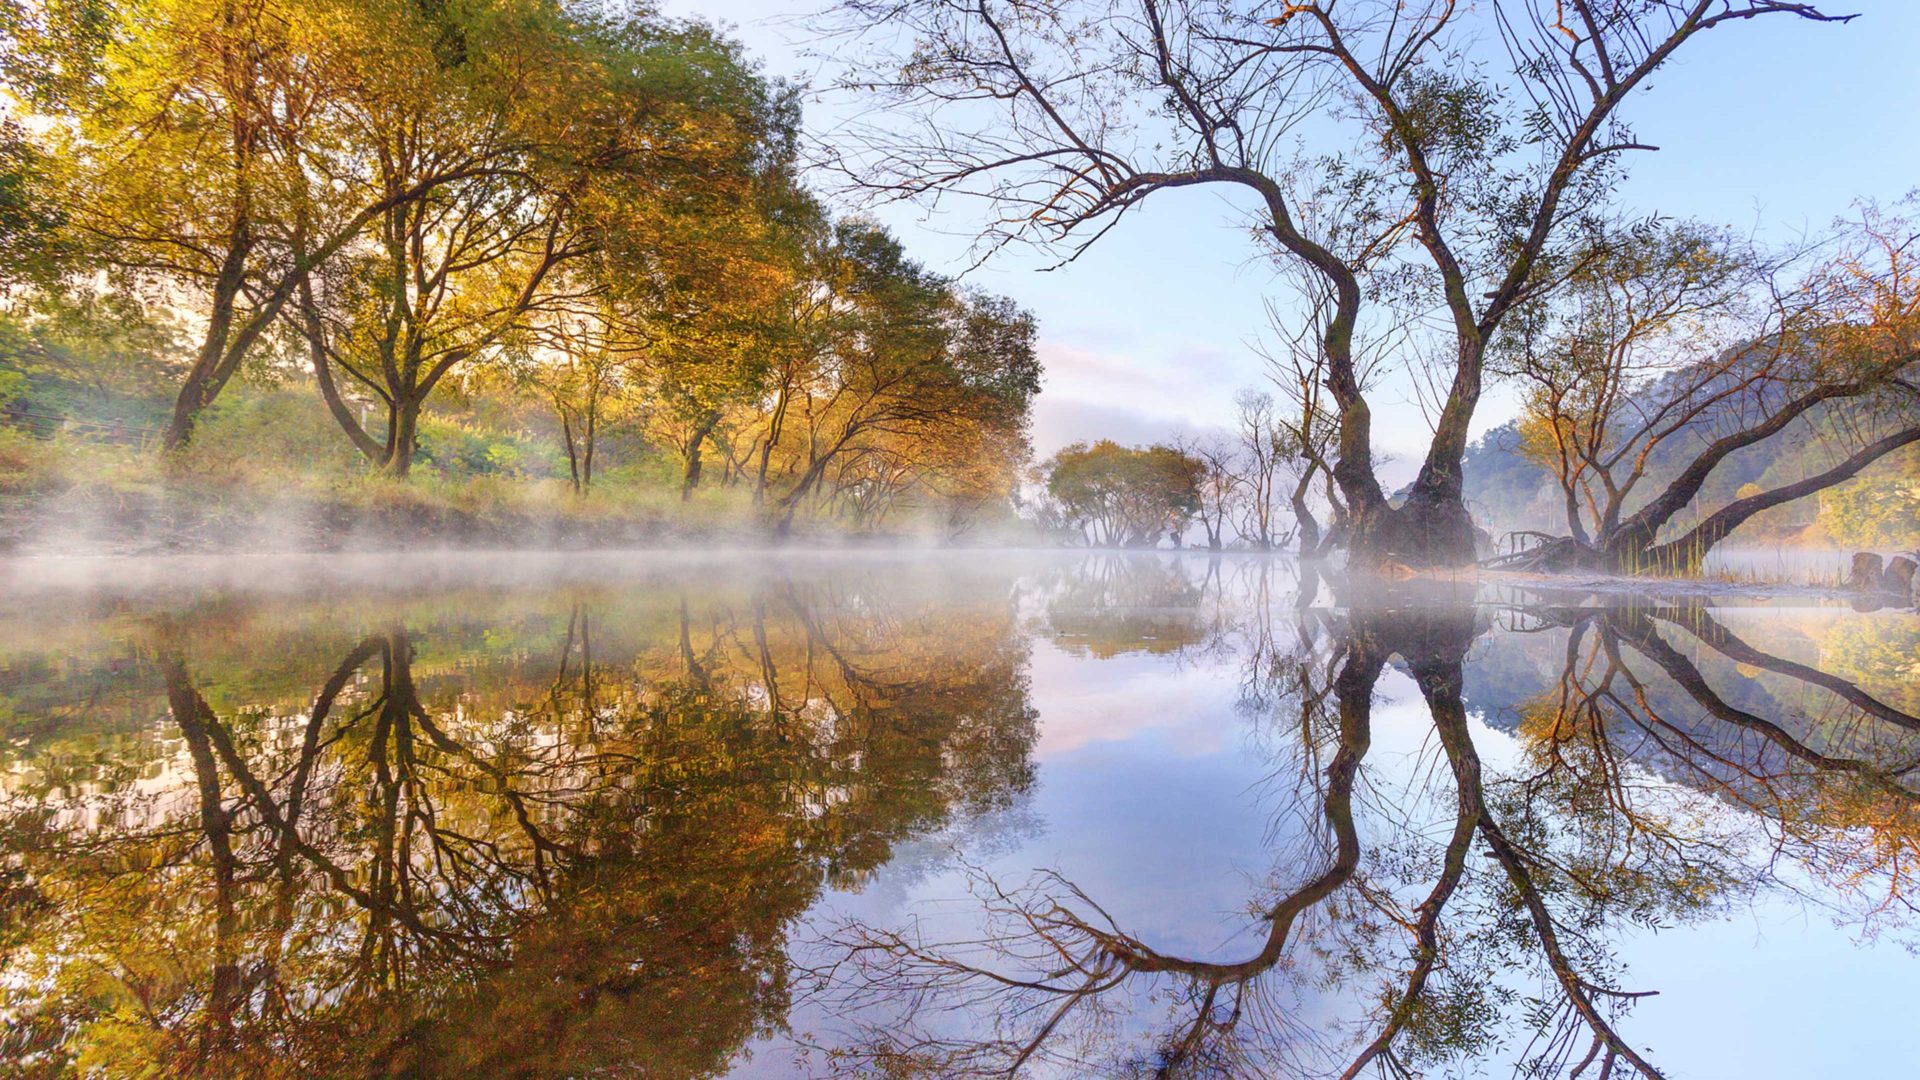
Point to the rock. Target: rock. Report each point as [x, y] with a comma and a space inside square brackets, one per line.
[1898, 576]
[1865, 575]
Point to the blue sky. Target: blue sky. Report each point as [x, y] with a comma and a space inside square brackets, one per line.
[1775, 126]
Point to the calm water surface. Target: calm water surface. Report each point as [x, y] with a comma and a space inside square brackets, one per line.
[942, 815]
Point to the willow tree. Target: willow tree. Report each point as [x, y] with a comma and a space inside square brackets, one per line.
[202, 151]
[1458, 152]
[910, 361]
[1126, 496]
[585, 140]
[1678, 348]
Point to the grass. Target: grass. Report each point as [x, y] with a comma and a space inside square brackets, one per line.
[1779, 574]
[69, 493]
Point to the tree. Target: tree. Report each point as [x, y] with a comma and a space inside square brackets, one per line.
[1123, 496]
[1677, 348]
[205, 149]
[1307, 424]
[1487, 170]
[591, 140]
[1221, 488]
[1261, 452]
[580, 360]
[911, 360]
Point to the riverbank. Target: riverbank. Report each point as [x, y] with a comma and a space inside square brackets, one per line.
[97, 501]
[1615, 586]
[201, 515]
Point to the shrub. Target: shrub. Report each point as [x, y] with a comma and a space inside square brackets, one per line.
[456, 448]
[20, 461]
[270, 435]
[1870, 511]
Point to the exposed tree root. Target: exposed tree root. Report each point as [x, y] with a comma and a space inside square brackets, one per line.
[1552, 554]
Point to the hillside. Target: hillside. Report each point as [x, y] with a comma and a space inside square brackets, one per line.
[1880, 508]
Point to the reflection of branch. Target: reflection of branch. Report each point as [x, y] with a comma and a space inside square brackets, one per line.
[1434, 684]
[1852, 814]
[1702, 625]
[1451, 722]
[196, 722]
[1637, 630]
[1078, 958]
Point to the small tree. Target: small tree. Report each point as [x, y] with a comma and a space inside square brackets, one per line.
[1261, 455]
[1221, 488]
[1126, 496]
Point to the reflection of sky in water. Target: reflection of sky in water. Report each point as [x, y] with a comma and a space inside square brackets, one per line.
[1155, 799]
[1167, 774]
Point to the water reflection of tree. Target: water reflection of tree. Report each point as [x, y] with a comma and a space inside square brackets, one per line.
[499, 863]
[1213, 610]
[1480, 903]
[1107, 604]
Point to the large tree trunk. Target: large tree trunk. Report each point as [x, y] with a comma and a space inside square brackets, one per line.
[695, 442]
[402, 438]
[1430, 529]
[212, 366]
[1634, 552]
[1305, 523]
[1631, 548]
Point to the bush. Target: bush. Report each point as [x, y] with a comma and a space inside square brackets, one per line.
[454, 448]
[270, 435]
[20, 461]
[1873, 512]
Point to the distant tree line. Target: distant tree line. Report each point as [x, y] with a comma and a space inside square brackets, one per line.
[1255, 486]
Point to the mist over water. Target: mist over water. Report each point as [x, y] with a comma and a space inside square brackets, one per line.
[939, 813]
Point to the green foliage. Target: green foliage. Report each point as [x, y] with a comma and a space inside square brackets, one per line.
[30, 215]
[456, 448]
[99, 357]
[1126, 496]
[1879, 508]
[270, 432]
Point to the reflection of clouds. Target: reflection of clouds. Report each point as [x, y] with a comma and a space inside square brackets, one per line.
[1082, 701]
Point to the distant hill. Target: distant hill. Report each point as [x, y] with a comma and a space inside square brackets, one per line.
[1879, 508]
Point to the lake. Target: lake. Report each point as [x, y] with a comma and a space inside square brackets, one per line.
[942, 814]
